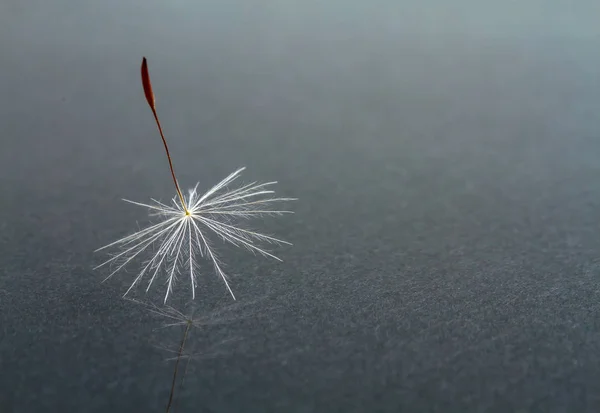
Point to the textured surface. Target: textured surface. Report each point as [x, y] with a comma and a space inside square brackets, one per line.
[447, 161]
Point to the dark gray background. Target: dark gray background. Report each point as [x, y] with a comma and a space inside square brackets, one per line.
[447, 160]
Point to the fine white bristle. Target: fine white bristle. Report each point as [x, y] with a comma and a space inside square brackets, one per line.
[180, 237]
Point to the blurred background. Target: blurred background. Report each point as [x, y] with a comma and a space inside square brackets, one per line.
[446, 157]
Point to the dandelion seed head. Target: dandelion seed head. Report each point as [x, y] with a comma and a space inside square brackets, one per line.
[184, 231]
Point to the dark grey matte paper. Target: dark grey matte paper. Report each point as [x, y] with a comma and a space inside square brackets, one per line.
[446, 157]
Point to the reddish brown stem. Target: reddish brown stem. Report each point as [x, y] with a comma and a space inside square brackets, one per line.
[151, 102]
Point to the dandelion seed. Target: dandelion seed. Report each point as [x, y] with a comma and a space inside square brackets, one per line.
[184, 227]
